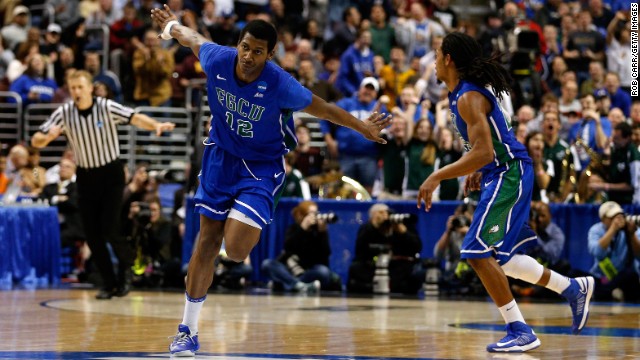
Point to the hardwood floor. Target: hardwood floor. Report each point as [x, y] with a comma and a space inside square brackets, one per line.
[71, 324]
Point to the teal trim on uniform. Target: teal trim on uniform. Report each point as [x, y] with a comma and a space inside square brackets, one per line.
[502, 154]
[289, 141]
[495, 224]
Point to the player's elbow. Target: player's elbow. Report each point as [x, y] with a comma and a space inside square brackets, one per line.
[484, 157]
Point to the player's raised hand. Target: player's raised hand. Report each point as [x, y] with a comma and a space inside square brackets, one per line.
[375, 124]
[162, 17]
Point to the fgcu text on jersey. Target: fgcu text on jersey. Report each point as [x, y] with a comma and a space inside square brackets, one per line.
[251, 120]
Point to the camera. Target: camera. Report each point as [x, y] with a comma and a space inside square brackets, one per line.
[143, 216]
[459, 222]
[328, 218]
[399, 219]
[633, 219]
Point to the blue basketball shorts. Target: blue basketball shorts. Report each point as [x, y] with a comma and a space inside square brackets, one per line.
[229, 182]
[499, 227]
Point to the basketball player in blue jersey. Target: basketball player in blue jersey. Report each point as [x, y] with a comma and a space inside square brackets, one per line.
[498, 166]
[251, 101]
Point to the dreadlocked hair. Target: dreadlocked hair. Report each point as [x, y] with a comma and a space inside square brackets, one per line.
[466, 53]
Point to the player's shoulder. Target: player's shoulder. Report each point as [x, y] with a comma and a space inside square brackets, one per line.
[470, 97]
[274, 70]
[276, 75]
[221, 52]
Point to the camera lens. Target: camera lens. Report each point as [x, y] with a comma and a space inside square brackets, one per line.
[329, 218]
[633, 219]
[401, 218]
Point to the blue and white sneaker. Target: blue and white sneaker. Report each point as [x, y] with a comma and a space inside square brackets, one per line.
[579, 296]
[520, 338]
[184, 344]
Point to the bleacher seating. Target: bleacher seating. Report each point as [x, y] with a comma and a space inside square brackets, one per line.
[170, 151]
[10, 117]
[313, 124]
[34, 116]
[163, 153]
[98, 40]
[42, 15]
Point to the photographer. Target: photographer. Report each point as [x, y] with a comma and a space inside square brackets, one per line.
[151, 238]
[548, 250]
[303, 264]
[378, 236]
[456, 275]
[614, 244]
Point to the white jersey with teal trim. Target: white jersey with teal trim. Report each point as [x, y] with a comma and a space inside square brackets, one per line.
[251, 121]
[505, 145]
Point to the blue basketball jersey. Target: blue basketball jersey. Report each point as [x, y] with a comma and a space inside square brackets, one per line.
[505, 145]
[251, 121]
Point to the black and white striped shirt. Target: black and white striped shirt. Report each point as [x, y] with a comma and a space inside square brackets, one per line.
[92, 133]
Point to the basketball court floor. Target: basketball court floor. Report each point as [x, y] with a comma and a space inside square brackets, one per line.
[71, 324]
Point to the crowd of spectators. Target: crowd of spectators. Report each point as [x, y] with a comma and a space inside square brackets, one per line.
[566, 58]
[570, 104]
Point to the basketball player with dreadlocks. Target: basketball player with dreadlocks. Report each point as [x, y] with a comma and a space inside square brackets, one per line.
[498, 166]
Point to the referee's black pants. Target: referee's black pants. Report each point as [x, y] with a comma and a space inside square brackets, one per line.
[100, 195]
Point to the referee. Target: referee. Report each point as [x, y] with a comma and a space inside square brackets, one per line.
[89, 124]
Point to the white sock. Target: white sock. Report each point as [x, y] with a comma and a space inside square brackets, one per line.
[558, 283]
[511, 312]
[192, 309]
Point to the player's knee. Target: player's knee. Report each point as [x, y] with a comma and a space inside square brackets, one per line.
[510, 269]
[236, 253]
[209, 243]
[523, 267]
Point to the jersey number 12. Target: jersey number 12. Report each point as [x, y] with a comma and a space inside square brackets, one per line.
[243, 128]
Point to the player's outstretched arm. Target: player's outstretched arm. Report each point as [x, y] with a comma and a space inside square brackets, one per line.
[370, 128]
[185, 35]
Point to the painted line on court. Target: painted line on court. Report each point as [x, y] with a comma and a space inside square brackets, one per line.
[559, 330]
[73, 355]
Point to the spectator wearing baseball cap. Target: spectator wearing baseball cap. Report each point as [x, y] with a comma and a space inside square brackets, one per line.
[371, 83]
[615, 247]
[52, 46]
[226, 31]
[16, 32]
[603, 101]
[54, 28]
[357, 156]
